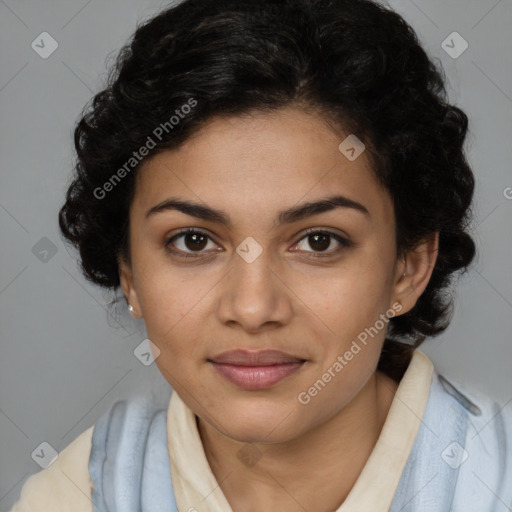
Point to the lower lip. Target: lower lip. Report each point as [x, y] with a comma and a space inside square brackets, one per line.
[256, 377]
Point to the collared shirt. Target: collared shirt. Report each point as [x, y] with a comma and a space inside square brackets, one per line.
[195, 485]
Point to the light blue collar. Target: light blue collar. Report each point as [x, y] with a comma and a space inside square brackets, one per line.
[129, 462]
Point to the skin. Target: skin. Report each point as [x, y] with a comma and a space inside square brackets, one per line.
[288, 298]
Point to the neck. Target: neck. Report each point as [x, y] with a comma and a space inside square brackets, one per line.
[326, 461]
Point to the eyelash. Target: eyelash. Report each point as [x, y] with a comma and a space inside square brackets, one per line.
[345, 243]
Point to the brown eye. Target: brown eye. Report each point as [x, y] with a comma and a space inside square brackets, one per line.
[195, 241]
[321, 241]
[188, 242]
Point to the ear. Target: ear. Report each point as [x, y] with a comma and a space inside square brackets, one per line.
[418, 265]
[127, 285]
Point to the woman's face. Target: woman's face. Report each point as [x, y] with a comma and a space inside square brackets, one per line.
[251, 277]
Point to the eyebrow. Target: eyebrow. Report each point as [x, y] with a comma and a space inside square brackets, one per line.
[287, 216]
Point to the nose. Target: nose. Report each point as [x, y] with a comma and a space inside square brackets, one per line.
[254, 296]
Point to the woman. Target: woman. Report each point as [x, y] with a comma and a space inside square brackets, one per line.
[280, 191]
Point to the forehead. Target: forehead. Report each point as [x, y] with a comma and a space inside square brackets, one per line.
[261, 162]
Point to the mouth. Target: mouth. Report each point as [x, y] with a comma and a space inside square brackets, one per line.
[256, 370]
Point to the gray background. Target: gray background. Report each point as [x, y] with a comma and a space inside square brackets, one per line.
[65, 357]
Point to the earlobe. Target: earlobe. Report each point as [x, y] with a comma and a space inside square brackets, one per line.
[128, 287]
[415, 271]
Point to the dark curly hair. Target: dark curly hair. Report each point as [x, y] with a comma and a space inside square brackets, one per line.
[355, 62]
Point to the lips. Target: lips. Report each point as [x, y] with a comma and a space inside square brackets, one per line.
[256, 370]
[259, 358]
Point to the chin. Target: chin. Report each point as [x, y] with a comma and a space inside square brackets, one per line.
[258, 435]
[259, 423]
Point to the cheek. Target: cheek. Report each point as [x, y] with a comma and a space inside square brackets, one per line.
[165, 294]
[167, 301]
[173, 328]
[347, 300]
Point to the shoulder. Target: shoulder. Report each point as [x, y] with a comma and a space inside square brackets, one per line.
[65, 485]
[462, 455]
[486, 417]
[478, 438]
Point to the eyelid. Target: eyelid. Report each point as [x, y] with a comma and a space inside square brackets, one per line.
[183, 232]
[329, 231]
[344, 241]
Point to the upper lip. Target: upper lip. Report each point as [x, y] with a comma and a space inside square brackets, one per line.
[255, 358]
